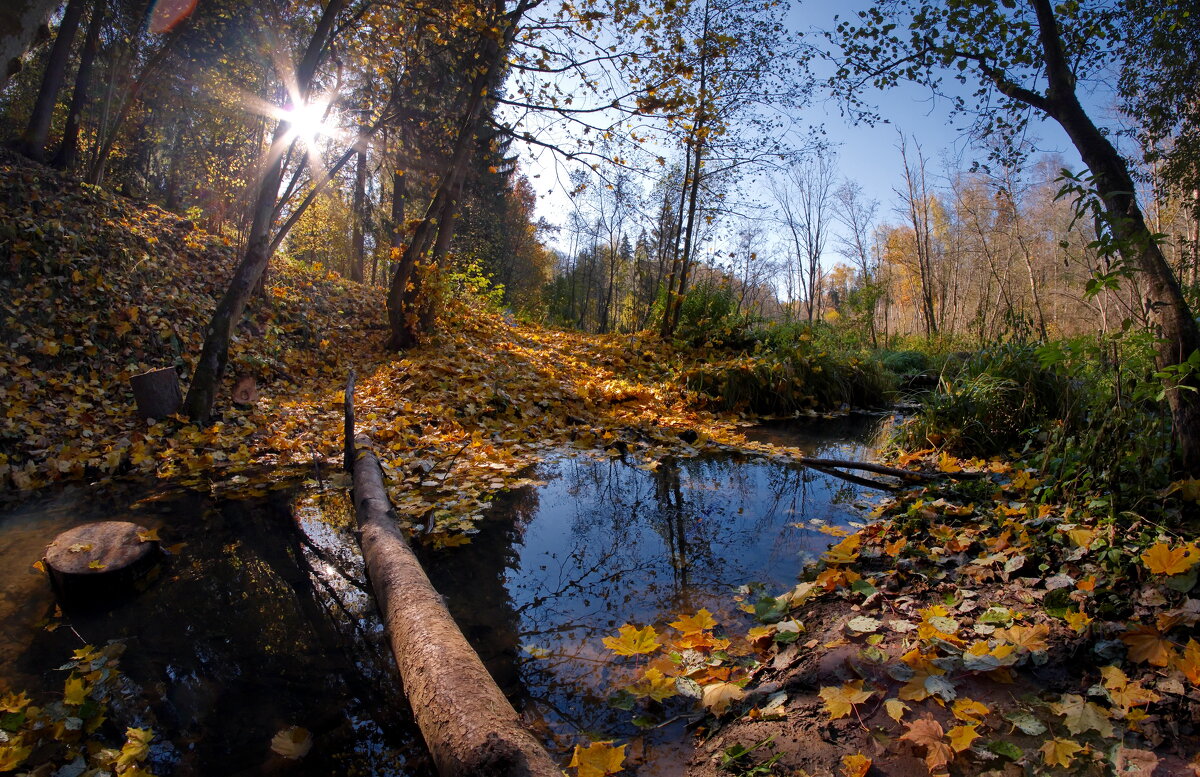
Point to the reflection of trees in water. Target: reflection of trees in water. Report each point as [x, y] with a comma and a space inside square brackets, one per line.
[605, 543]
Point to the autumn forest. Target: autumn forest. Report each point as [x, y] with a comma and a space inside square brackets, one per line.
[595, 387]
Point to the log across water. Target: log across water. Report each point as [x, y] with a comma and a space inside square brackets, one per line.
[468, 725]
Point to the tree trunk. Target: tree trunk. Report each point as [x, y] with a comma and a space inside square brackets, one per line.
[1168, 309]
[215, 354]
[403, 318]
[68, 150]
[468, 725]
[20, 21]
[37, 131]
[358, 206]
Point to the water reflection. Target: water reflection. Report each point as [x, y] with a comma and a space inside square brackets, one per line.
[260, 622]
[605, 542]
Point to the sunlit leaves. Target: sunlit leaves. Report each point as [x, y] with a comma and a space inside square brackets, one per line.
[1060, 752]
[653, 685]
[690, 624]
[840, 700]
[719, 695]
[597, 759]
[1162, 559]
[632, 641]
[1147, 645]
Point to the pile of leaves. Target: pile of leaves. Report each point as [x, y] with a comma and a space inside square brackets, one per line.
[968, 630]
[70, 735]
[99, 288]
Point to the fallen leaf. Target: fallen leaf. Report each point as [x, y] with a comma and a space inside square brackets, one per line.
[969, 710]
[855, 765]
[1060, 752]
[1162, 559]
[718, 696]
[597, 759]
[895, 709]
[928, 733]
[961, 737]
[840, 699]
[633, 641]
[653, 685]
[292, 742]
[1147, 645]
[690, 624]
[1080, 715]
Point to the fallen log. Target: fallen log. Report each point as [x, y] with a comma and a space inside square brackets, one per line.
[468, 725]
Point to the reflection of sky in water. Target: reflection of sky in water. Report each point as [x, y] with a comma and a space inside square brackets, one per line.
[605, 543]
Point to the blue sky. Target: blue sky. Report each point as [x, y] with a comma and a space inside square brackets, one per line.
[866, 154]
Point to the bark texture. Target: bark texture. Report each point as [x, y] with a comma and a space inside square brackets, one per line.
[468, 724]
[20, 21]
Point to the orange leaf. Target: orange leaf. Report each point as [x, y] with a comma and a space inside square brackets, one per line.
[928, 733]
[1162, 559]
[1147, 645]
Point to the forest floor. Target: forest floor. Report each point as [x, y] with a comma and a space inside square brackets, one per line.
[968, 630]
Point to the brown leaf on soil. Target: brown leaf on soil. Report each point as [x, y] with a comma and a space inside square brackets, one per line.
[929, 734]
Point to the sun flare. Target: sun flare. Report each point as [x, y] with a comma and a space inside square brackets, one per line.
[310, 121]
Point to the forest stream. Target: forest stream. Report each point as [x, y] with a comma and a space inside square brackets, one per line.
[260, 619]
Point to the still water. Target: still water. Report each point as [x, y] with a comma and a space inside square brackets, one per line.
[605, 542]
[261, 619]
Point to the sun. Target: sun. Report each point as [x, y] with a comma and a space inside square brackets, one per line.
[309, 121]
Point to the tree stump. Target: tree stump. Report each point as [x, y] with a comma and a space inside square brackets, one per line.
[101, 559]
[157, 393]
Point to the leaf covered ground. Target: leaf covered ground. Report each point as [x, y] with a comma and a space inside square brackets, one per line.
[98, 288]
[968, 629]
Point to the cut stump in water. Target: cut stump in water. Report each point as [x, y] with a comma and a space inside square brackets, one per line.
[157, 393]
[99, 558]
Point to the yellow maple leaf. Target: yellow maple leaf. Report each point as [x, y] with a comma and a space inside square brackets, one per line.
[1162, 559]
[969, 710]
[845, 551]
[1125, 693]
[1077, 620]
[690, 624]
[947, 463]
[654, 685]
[895, 709]
[893, 548]
[1188, 662]
[633, 641]
[840, 699]
[855, 765]
[94, 564]
[74, 690]
[14, 753]
[928, 733]
[961, 737]
[1032, 638]
[150, 535]
[1082, 538]
[14, 702]
[597, 759]
[1147, 645]
[1060, 752]
[718, 696]
[136, 747]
